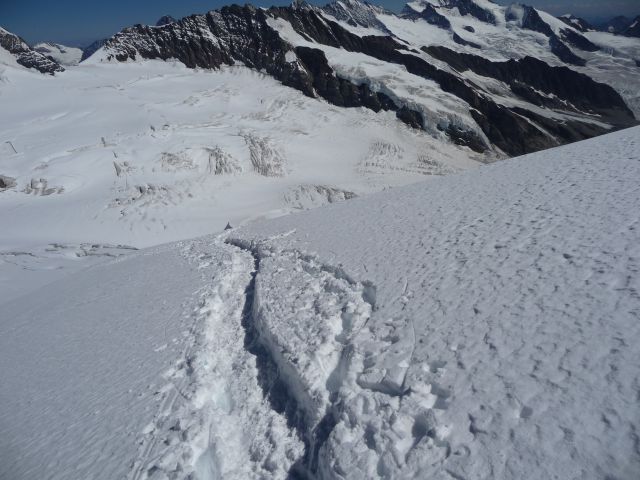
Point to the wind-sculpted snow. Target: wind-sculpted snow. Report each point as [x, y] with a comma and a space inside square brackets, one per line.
[481, 325]
[504, 341]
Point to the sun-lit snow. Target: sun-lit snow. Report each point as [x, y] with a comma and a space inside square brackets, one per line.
[478, 325]
[67, 56]
[134, 147]
[450, 320]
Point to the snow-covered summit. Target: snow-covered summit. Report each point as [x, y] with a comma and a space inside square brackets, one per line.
[357, 13]
[427, 73]
[14, 50]
[576, 22]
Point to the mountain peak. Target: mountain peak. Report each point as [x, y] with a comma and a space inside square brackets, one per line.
[165, 20]
[25, 55]
[356, 13]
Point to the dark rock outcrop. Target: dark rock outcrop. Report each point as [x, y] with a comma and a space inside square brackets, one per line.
[469, 7]
[429, 15]
[564, 53]
[528, 76]
[243, 34]
[461, 41]
[26, 56]
[356, 13]
[529, 18]
[578, 41]
[578, 23]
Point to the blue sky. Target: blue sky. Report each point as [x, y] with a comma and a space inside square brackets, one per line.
[79, 22]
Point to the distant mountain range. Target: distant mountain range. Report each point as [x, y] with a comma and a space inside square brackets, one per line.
[618, 25]
[508, 78]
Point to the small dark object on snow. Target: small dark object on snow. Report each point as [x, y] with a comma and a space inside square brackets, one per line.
[228, 227]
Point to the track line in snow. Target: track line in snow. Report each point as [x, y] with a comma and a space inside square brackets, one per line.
[346, 379]
[286, 377]
[220, 425]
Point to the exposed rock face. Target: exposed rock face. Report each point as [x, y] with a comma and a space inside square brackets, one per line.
[429, 14]
[578, 23]
[528, 18]
[579, 41]
[26, 56]
[558, 88]
[564, 53]
[469, 7]
[355, 12]
[461, 41]
[245, 34]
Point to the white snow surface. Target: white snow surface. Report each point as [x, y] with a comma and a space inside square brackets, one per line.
[194, 150]
[144, 153]
[64, 55]
[479, 325]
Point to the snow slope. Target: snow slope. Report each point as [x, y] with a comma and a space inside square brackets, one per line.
[504, 340]
[150, 152]
[480, 325]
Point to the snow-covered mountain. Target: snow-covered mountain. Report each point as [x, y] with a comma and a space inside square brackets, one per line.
[15, 52]
[489, 77]
[576, 22]
[481, 325]
[67, 56]
[291, 108]
[437, 317]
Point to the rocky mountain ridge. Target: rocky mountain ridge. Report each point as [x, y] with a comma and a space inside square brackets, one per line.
[26, 56]
[295, 45]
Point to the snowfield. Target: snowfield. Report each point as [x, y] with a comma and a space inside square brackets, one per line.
[193, 150]
[479, 325]
[144, 153]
